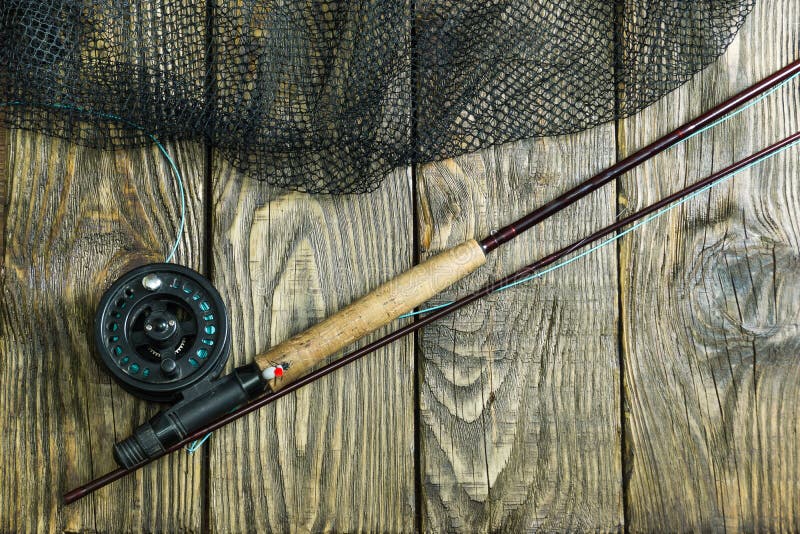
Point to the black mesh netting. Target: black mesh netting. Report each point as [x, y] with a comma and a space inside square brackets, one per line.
[327, 96]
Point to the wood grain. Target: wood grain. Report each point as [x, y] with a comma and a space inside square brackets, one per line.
[519, 405]
[339, 454]
[378, 308]
[77, 220]
[711, 306]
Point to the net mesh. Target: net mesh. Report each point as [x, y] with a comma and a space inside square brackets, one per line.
[328, 96]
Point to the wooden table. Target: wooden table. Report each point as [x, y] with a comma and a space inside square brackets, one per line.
[654, 385]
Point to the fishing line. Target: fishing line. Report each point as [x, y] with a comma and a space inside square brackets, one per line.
[656, 215]
[741, 109]
[196, 444]
[173, 166]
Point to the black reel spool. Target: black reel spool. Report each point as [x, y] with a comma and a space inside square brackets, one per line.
[161, 329]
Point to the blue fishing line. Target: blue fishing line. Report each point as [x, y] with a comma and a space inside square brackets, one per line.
[173, 166]
[651, 217]
[196, 444]
[739, 110]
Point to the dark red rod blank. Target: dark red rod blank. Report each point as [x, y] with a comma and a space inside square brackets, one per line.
[98, 483]
[507, 233]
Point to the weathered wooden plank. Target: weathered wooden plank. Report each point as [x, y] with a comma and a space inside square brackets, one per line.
[77, 219]
[519, 394]
[711, 307]
[339, 454]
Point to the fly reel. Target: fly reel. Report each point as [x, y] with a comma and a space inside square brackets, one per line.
[160, 329]
[163, 333]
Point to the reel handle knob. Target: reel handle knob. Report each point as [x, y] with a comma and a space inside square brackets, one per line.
[169, 367]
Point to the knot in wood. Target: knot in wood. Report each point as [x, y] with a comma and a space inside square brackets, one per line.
[742, 289]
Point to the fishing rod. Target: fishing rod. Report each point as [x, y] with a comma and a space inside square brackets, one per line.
[152, 308]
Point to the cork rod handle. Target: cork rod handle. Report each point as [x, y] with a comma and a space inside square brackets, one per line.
[383, 305]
